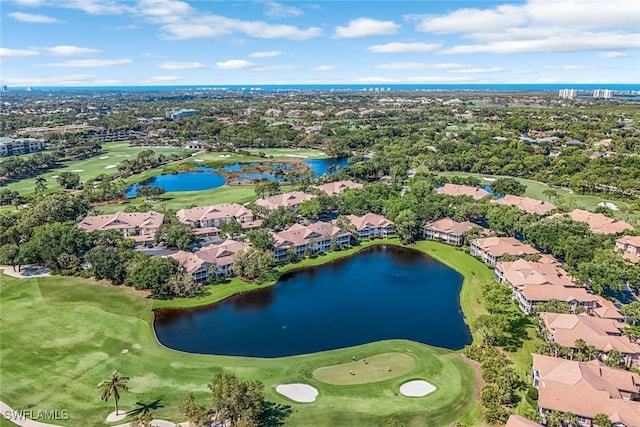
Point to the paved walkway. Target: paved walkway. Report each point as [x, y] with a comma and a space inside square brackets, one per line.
[15, 417]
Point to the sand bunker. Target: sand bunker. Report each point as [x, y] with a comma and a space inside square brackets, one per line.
[77, 170]
[303, 393]
[489, 179]
[416, 388]
[104, 157]
[111, 166]
[224, 155]
[296, 155]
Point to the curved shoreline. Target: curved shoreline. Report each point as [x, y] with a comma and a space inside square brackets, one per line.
[294, 268]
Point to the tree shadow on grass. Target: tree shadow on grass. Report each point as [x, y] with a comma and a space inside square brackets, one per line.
[145, 407]
[274, 414]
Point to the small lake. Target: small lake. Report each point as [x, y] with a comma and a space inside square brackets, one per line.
[384, 292]
[321, 166]
[205, 179]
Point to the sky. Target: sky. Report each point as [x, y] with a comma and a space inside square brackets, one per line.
[254, 42]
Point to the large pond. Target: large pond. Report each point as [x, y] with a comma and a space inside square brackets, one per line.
[384, 292]
[206, 178]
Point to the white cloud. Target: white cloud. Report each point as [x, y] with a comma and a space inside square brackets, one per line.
[363, 27]
[477, 70]
[68, 80]
[404, 66]
[612, 54]
[5, 52]
[174, 65]
[277, 67]
[324, 68]
[279, 10]
[540, 26]
[420, 66]
[90, 63]
[180, 21]
[29, 3]
[559, 43]
[266, 54]
[165, 8]
[416, 47]
[564, 67]
[162, 79]
[97, 7]
[236, 64]
[65, 50]
[34, 18]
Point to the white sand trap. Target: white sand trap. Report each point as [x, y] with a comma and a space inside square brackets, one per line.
[416, 388]
[119, 416]
[489, 179]
[54, 176]
[303, 393]
[104, 157]
[224, 155]
[77, 170]
[198, 160]
[297, 155]
[111, 166]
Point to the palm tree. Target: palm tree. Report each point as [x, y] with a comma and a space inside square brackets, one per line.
[41, 186]
[112, 387]
[550, 193]
[570, 419]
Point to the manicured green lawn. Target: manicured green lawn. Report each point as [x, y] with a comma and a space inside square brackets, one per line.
[369, 369]
[535, 189]
[61, 336]
[302, 153]
[104, 163]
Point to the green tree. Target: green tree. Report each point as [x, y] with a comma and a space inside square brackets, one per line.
[550, 193]
[491, 327]
[407, 226]
[176, 235]
[152, 272]
[230, 229]
[108, 263]
[50, 241]
[261, 239]
[602, 420]
[555, 418]
[183, 285]
[112, 387]
[40, 186]
[508, 186]
[197, 415]
[234, 400]
[68, 180]
[553, 306]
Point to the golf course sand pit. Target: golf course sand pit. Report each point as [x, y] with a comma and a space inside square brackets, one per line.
[302, 393]
[416, 388]
[111, 166]
[370, 369]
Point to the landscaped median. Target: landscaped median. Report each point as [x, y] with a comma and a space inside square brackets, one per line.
[62, 335]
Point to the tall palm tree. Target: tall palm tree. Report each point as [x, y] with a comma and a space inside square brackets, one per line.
[112, 387]
[41, 186]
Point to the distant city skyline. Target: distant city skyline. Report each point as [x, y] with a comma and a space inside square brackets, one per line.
[262, 42]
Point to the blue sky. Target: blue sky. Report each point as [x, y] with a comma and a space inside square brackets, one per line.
[209, 42]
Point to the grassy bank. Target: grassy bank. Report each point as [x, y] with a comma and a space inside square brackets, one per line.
[104, 163]
[61, 336]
